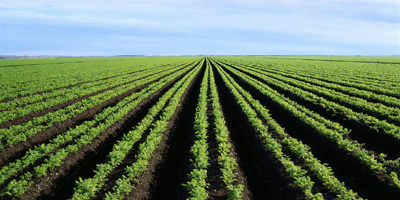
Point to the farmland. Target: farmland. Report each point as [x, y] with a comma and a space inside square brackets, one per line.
[240, 127]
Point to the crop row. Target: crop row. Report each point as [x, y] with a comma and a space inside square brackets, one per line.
[226, 160]
[367, 95]
[362, 104]
[372, 78]
[371, 121]
[80, 135]
[71, 94]
[87, 188]
[64, 93]
[338, 74]
[27, 80]
[138, 128]
[21, 132]
[124, 184]
[274, 145]
[331, 130]
[371, 73]
[197, 184]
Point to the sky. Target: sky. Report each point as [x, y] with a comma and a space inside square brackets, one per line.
[199, 27]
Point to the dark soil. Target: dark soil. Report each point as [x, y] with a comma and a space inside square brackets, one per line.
[59, 183]
[176, 165]
[217, 188]
[215, 173]
[30, 116]
[69, 86]
[310, 82]
[261, 174]
[265, 176]
[352, 107]
[13, 152]
[74, 85]
[318, 186]
[65, 87]
[345, 167]
[377, 141]
[171, 156]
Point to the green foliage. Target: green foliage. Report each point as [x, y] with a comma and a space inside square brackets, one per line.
[302, 151]
[199, 151]
[147, 148]
[359, 91]
[83, 134]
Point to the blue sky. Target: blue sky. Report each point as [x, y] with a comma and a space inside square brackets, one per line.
[191, 27]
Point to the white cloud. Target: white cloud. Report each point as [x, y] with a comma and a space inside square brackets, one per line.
[58, 53]
[358, 22]
[79, 19]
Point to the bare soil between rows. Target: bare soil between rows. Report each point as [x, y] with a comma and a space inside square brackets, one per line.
[265, 176]
[374, 140]
[74, 85]
[325, 81]
[318, 187]
[77, 84]
[345, 167]
[214, 173]
[60, 182]
[30, 116]
[64, 87]
[159, 182]
[83, 159]
[13, 152]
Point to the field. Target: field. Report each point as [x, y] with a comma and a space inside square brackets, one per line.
[240, 127]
